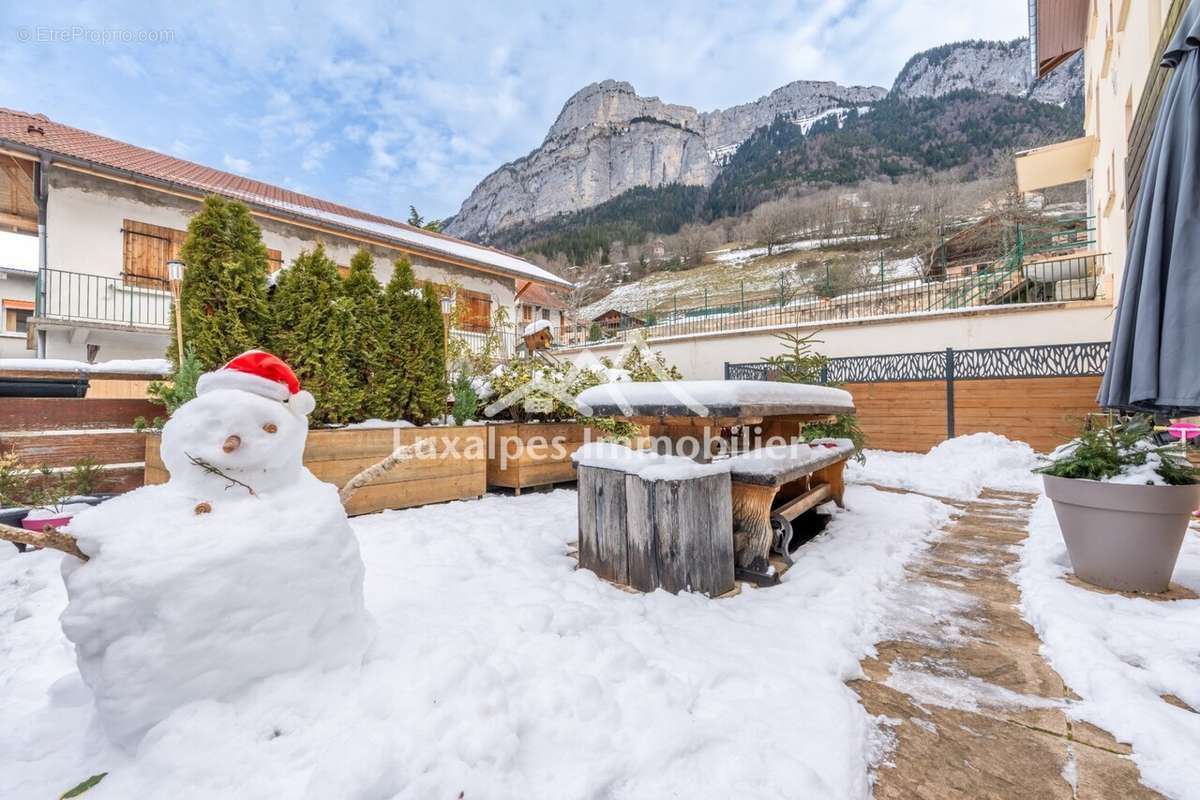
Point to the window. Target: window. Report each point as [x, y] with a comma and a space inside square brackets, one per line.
[546, 314]
[475, 311]
[148, 248]
[16, 315]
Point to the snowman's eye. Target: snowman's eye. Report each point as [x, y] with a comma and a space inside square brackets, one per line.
[270, 427]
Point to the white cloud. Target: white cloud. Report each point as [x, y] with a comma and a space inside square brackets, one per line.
[380, 106]
[235, 164]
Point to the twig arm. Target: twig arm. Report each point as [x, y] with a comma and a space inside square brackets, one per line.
[52, 538]
[403, 453]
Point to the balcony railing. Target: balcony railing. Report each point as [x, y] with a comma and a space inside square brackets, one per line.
[1048, 279]
[83, 299]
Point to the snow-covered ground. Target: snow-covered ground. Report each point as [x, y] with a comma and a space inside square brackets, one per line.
[499, 670]
[1121, 654]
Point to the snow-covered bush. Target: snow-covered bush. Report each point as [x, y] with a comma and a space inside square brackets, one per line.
[1124, 452]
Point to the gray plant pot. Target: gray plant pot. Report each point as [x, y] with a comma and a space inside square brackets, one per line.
[1122, 536]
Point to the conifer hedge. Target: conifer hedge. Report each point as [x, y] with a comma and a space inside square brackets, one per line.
[361, 349]
[313, 332]
[223, 298]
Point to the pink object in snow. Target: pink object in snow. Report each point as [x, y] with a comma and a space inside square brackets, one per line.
[1184, 430]
[39, 525]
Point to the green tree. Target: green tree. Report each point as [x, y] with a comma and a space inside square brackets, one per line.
[368, 327]
[430, 359]
[223, 300]
[395, 383]
[417, 221]
[313, 330]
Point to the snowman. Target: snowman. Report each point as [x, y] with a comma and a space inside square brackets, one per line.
[241, 566]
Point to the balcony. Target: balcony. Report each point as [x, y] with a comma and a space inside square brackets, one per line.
[100, 302]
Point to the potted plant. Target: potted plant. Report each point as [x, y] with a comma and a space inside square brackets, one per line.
[44, 498]
[1123, 502]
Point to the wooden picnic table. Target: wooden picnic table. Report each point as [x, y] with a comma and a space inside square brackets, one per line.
[678, 410]
[684, 408]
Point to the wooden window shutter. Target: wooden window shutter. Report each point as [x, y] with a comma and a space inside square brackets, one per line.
[147, 249]
[475, 311]
[526, 313]
[274, 260]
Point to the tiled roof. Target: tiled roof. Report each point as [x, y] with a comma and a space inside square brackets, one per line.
[36, 131]
[534, 295]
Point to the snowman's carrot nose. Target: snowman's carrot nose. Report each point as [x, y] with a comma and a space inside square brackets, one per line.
[232, 443]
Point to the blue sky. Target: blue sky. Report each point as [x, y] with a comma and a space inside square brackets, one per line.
[379, 105]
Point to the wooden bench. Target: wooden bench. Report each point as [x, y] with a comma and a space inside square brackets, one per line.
[772, 486]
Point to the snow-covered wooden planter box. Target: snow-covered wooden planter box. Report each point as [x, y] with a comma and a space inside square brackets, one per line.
[649, 521]
[525, 454]
[457, 471]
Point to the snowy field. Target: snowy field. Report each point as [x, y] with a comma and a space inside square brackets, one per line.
[500, 671]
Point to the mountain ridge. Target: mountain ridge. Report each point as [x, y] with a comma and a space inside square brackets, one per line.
[608, 140]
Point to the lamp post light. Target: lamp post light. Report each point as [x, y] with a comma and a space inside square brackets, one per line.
[175, 280]
[447, 307]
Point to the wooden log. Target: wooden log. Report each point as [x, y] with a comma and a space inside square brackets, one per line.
[643, 540]
[602, 521]
[752, 523]
[694, 531]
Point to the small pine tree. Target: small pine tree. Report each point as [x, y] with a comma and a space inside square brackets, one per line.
[313, 330]
[223, 298]
[430, 358]
[394, 384]
[368, 328]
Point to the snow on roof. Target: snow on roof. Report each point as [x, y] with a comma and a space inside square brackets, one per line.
[535, 326]
[425, 240]
[39, 133]
[719, 399]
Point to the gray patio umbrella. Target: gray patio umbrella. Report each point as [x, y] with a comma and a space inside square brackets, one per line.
[1154, 359]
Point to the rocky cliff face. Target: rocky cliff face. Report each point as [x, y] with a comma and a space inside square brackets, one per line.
[608, 139]
[988, 67]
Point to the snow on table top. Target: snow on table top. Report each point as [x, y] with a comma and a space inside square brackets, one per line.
[781, 463]
[715, 399]
[647, 466]
[130, 366]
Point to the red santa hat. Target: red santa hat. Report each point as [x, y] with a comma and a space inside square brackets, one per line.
[263, 374]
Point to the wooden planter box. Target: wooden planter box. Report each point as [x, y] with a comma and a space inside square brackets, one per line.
[536, 466]
[336, 456]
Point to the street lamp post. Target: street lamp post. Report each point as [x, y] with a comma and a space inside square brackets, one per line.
[175, 280]
[447, 307]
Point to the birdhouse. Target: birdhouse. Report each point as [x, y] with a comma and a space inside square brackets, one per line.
[538, 337]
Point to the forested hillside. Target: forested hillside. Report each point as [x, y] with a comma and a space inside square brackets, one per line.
[965, 133]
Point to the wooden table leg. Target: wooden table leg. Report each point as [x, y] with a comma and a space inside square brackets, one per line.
[752, 524]
[833, 475]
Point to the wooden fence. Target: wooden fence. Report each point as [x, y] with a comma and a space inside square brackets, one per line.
[61, 432]
[913, 401]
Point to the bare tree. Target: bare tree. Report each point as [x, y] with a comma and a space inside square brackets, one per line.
[772, 222]
[693, 242]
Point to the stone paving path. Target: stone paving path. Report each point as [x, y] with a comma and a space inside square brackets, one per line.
[970, 708]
